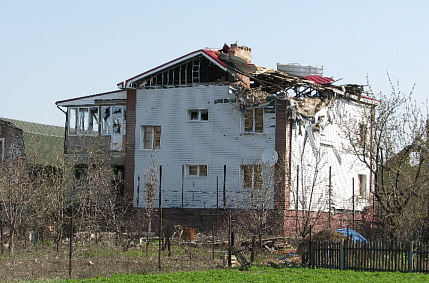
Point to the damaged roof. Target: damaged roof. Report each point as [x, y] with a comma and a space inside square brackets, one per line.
[254, 85]
[206, 53]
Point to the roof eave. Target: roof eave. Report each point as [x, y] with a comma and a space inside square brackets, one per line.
[61, 102]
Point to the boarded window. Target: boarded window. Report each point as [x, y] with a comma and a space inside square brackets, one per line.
[254, 120]
[252, 176]
[151, 137]
[197, 170]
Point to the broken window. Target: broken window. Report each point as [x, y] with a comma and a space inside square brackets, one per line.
[252, 176]
[83, 120]
[151, 137]
[254, 120]
[113, 120]
[196, 170]
[198, 115]
[362, 185]
[80, 172]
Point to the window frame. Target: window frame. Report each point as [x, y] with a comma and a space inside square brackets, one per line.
[256, 118]
[199, 167]
[256, 170]
[80, 118]
[363, 133]
[199, 113]
[109, 122]
[154, 144]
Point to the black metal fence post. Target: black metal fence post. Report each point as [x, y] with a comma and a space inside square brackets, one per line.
[342, 254]
[410, 257]
[311, 251]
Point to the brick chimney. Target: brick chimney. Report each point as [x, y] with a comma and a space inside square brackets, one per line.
[243, 52]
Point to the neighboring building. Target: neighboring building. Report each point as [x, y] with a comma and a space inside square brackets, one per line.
[212, 120]
[41, 145]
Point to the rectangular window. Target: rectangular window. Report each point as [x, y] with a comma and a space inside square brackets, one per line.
[150, 137]
[362, 134]
[254, 120]
[195, 115]
[252, 176]
[196, 170]
[113, 120]
[414, 158]
[362, 185]
[83, 120]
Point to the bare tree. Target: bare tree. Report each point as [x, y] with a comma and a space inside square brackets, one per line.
[151, 184]
[310, 191]
[48, 206]
[391, 140]
[17, 189]
[95, 191]
[256, 212]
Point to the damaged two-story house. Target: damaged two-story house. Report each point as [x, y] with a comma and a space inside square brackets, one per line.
[211, 119]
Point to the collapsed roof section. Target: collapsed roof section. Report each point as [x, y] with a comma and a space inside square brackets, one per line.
[254, 85]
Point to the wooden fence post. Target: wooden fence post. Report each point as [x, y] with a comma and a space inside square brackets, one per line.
[410, 257]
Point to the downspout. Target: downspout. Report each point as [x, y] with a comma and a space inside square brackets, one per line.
[65, 126]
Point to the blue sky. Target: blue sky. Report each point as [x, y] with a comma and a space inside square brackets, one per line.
[55, 50]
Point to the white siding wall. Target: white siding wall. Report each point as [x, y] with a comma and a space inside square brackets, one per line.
[343, 169]
[218, 142]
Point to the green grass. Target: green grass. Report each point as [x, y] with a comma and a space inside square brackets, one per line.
[263, 274]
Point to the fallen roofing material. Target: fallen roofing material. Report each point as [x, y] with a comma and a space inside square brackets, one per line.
[319, 79]
[254, 85]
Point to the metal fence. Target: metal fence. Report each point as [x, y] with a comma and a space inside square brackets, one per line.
[371, 256]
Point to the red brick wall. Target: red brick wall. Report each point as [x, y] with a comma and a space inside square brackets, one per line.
[282, 147]
[243, 52]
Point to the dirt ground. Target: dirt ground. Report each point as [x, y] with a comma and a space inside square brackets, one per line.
[44, 262]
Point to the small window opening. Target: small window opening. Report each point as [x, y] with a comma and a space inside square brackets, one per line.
[198, 115]
[197, 170]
